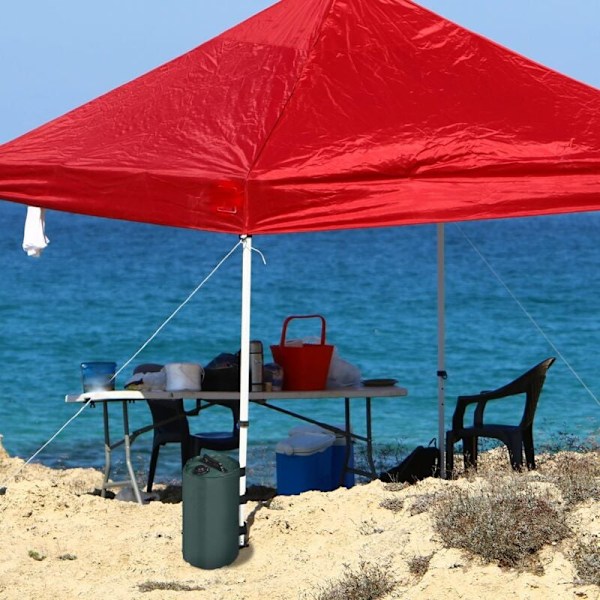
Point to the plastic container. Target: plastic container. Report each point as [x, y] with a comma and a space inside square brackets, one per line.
[305, 366]
[303, 463]
[274, 376]
[211, 499]
[184, 376]
[98, 376]
[338, 454]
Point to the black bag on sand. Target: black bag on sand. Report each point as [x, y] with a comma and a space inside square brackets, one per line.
[422, 462]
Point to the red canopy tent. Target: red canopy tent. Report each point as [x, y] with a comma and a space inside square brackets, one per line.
[322, 114]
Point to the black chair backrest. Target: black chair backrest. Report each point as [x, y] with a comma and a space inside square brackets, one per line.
[530, 383]
[171, 415]
[234, 406]
[536, 383]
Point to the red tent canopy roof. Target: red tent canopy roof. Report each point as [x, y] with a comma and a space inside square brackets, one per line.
[322, 114]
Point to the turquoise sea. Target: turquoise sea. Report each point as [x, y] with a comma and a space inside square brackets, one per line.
[517, 291]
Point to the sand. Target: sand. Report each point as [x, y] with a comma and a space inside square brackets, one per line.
[58, 540]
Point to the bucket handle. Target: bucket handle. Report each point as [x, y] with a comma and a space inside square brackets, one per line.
[288, 319]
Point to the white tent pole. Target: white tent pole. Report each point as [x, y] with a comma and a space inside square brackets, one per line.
[244, 370]
[441, 372]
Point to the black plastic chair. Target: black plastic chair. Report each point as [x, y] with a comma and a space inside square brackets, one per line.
[219, 441]
[515, 437]
[170, 427]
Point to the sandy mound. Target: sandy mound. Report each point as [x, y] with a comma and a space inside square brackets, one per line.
[59, 540]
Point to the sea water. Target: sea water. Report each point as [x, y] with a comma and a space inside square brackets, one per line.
[517, 291]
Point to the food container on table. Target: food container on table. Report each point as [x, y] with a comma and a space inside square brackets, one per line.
[98, 376]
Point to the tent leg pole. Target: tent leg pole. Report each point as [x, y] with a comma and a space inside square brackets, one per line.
[441, 371]
[244, 379]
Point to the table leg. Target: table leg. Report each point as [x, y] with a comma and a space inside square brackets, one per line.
[370, 438]
[348, 436]
[127, 442]
[107, 451]
[372, 473]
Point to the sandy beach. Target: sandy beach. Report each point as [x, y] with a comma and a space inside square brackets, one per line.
[59, 540]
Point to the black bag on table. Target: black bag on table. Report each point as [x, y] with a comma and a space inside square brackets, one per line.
[422, 462]
[222, 373]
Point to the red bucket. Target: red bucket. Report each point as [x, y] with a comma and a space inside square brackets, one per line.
[305, 367]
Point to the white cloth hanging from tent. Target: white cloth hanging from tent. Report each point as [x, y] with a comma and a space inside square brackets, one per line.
[34, 236]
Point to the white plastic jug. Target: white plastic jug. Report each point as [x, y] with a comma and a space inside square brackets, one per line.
[184, 376]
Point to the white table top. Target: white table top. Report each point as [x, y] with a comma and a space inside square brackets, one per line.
[133, 395]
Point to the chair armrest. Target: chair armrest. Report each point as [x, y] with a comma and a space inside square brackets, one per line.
[459, 412]
[529, 383]
[481, 400]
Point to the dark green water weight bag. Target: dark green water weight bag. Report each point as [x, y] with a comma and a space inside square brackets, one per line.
[211, 499]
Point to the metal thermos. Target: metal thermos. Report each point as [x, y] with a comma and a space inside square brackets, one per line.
[256, 366]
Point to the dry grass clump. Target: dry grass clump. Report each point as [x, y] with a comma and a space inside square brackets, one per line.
[506, 521]
[422, 503]
[36, 555]
[173, 586]
[586, 558]
[67, 556]
[511, 517]
[577, 476]
[367, 582]
[419, 565]
[395, 486]
[394, 504]
[370, 527]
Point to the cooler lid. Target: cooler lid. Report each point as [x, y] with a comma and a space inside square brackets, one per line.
[305, 444]
[315, 429]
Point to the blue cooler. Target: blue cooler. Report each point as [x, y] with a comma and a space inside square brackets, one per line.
[338, 454]
[339, 460]
[304, 463]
